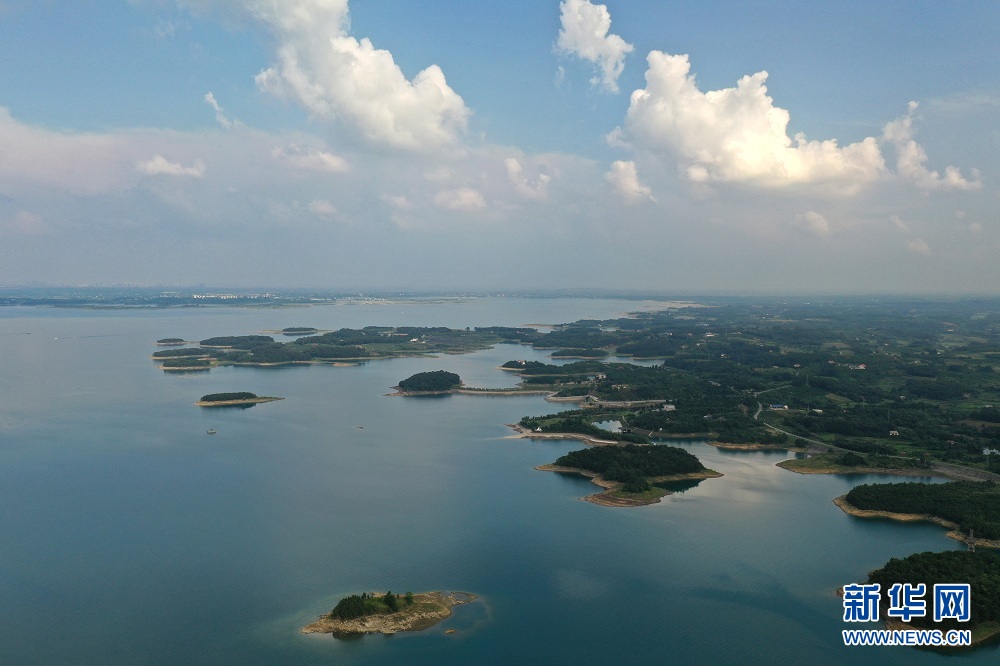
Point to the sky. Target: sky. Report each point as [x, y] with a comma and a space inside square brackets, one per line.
[711, 146]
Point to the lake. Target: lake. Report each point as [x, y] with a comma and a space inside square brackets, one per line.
[130, 536]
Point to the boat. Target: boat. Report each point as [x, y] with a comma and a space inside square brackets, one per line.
[211, 431]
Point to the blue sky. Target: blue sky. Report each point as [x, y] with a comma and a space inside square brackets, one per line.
[501, 145]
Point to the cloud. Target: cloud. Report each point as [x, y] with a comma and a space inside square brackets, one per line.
[461, 199]
[322, 207]
[77, 163]
[25, 224]
[911, 159]
[975, 227]
[897, 222]
[536, 189]
[336, 77]
[220, 116]
[813, 222]
[918, 246]
[310, 159]
[624, 179]
[158, 165]
[585, 34]
[736, 134]
[397, 201]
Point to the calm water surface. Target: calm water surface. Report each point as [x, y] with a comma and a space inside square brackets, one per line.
[129, 536]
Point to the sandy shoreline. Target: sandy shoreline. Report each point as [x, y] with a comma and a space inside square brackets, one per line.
[953, 531]
[525, 433]
[889, 471]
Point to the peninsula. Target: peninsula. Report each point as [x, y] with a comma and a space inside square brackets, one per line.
[963, 507]
[375, 612]
[980, 569]
[237, 399]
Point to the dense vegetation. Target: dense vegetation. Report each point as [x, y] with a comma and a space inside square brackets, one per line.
[912, 379]
[972, 505]
[238, 341]
[170, 341]
[225, 397]
[580, 422]
[298, 330]
[981, 569]
[631, 464]
[187, 351]
[582, 353]
[187, 362]
[438, 380]
[364, 604]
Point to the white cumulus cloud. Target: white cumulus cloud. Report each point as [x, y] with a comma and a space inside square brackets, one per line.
[624, 179]
[335, 76]
[585, 33]
[158, 165]
[460, 199]
[911, 159]
[736, 134]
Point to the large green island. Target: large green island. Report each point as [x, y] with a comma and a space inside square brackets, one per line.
[374, 612]
[631, 474]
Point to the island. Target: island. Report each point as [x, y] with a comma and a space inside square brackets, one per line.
[299, 330]
[429, 383]
[980, 569]
[186, 364]
[631, 474]
[375, 612]
[170, 342]
[237, 399]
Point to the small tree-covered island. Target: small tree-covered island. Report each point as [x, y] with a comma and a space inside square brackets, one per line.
[234, 399]
[374, 612]
[425, 383]
[630, 474]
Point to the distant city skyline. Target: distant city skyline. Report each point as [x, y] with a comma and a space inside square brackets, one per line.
[453, 146]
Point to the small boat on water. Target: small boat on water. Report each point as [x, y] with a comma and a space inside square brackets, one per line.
[211, 431]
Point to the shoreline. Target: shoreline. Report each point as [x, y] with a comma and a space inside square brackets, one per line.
[606, 496]
[952, 528]
[589, 440]
[789, 465]
[428, 609]
[235, 403]
[752, 446]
